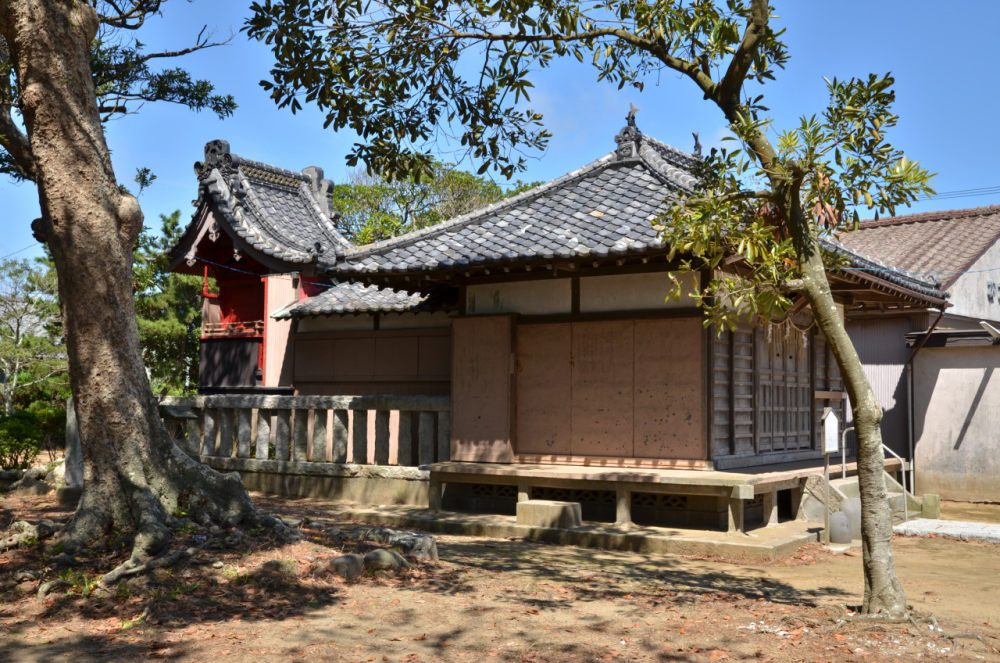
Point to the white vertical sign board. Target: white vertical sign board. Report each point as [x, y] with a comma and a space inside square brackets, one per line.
[831, 429]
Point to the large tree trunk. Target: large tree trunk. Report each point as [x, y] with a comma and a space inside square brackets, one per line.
[883, 591]
[135, 477]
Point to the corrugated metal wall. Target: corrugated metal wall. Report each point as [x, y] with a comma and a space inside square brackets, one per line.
[881, 344]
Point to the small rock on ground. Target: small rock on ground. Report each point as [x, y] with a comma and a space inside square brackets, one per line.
[382, 559]
[349, 567]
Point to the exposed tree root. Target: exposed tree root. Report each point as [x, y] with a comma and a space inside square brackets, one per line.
[134, 567]
[24, 533]
[149, 499]
[878, 620]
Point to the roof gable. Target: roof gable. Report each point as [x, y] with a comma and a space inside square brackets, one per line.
[945, 243]
[282, 214]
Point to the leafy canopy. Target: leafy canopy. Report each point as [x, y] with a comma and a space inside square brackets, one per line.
[125, 78]
[168, 310]
[373, 208]
[400, 73]
[32, 354]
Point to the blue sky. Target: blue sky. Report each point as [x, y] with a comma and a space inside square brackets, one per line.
[942, 57]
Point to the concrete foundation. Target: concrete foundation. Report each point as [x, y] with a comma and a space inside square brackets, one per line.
[363, 484]
[549, 513]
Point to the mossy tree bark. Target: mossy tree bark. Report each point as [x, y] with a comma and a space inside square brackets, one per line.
[135, 477]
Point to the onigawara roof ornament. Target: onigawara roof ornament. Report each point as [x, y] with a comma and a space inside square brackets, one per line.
[629, 138]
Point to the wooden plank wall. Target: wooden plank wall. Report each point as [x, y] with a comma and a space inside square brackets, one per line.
[611, 388]
[763, 388]
[544, 375]
[481, 389]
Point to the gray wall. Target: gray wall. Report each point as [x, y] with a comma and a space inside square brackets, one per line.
[881, 344]
[957, 406]
[969, 294]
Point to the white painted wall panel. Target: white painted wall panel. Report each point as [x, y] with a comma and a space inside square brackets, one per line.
[527, 297]
[632, 292]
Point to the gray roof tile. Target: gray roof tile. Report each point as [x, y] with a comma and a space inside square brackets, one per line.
[554, 219]
[350, 298]
[281, 213]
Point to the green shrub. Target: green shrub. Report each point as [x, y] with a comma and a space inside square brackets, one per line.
[52, 425]
[21, 438]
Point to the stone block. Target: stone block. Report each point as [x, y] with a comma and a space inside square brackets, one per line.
[549, 513]
[930, 506]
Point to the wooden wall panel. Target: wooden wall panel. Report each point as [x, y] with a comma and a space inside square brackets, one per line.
[543, 389]
[337, 362]
[397, 356]
[602, 388]
[481, 389]
[354, 358]
[669, 389]
[435, 357]
[313, 360]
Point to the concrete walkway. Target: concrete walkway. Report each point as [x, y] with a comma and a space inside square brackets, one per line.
[954, 529]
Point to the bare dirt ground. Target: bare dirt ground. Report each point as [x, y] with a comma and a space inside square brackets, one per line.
[488, 600]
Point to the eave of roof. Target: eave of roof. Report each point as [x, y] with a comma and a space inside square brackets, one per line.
[923, 289]
[355, 298]
[950, 338]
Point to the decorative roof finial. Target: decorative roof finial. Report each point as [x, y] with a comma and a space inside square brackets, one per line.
[629, 138]
[321, 188]
[697, 145]
[217, 155]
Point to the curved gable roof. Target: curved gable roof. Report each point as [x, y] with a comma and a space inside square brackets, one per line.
[604, 208]
[279, 213]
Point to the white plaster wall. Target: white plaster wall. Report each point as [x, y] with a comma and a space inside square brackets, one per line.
[527, 297]
[277, 365]
[337, 323]
[413, 320]
[630, 292]
[957, 422]
[969, 292]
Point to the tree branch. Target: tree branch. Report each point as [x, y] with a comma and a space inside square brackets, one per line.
[11, 137]
[727, 95]
[125, 17]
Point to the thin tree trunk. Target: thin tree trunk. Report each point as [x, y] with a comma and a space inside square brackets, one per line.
[883, 591]
[134, 475]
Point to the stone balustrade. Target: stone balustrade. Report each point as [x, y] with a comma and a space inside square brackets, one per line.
[407, 431]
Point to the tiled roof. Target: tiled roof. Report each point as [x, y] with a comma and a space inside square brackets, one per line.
[281, 213]
[861, 266]
[945, 242]
[605, 208]
[345, 298]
